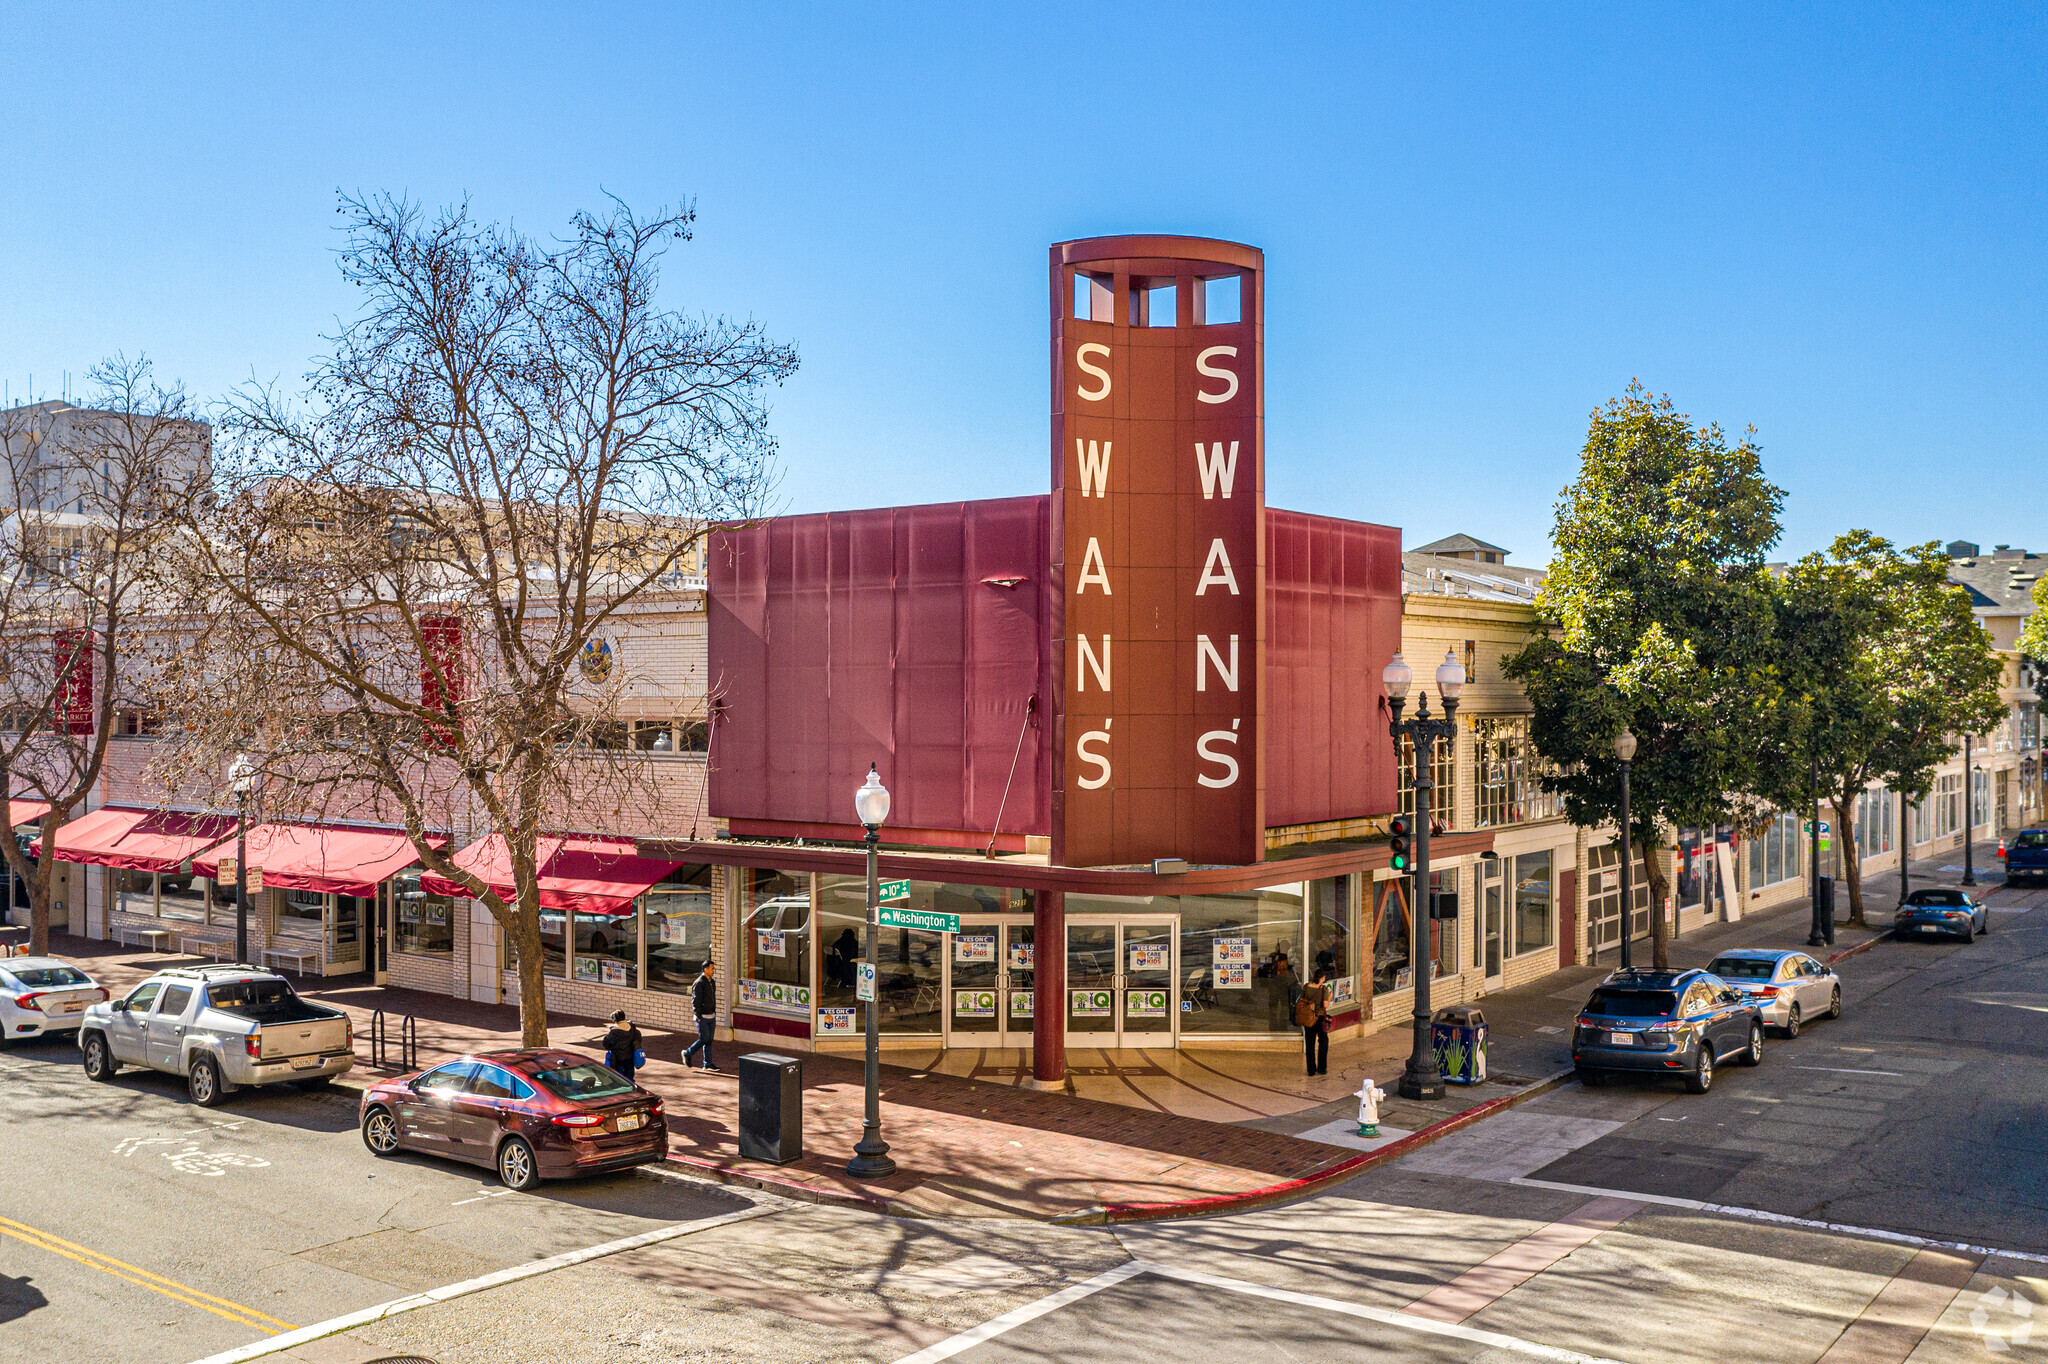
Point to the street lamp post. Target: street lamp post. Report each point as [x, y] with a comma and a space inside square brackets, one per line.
[1423, 1079]
[1969, 818]
[871, 1154]
[1625, 751]
[242, 781]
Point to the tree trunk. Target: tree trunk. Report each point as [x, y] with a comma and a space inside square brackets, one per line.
[1852, 864]
[1660, 935]
[524, 933]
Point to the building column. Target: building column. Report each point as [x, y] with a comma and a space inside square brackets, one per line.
[1049, 990]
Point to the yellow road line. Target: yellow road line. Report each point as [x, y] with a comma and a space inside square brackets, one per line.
[141, 1278]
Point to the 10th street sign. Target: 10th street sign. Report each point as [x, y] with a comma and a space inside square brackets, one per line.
[892, 890]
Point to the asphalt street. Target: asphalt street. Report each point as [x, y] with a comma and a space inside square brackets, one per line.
[137, 1225]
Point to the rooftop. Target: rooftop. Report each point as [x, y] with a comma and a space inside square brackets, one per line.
[2000, 583]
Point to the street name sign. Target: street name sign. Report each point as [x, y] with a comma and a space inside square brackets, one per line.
[893, 890]
[919, 918]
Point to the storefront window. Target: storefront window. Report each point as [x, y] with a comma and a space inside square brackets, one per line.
[1390, 937]
[775, 947]
[183, 897]
[1238, 956]
[909, 962]
[300, 914]
[134, 892]
[678, 927]
[608, 948]
[424, 924]
[1533, 918]
[1333, 936]
[552, 962]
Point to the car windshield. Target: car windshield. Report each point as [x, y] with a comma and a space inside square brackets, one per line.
[245, 994]
[1632, 1003]
[583, 1081]
[1937, 897]
[50, 977]
[1743, 968]
[2032, 838]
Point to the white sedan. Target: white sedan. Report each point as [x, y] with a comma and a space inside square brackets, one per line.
[1788, 988]
[41, 995]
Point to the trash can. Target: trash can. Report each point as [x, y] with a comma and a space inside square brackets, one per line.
[1458, 1036]
[771, 1108]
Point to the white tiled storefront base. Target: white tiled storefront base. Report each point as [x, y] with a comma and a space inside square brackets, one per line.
[432, 972]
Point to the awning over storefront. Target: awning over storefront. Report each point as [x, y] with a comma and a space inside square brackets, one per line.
[137, 840]
[586, 875]
[20, 812]
[322, 857]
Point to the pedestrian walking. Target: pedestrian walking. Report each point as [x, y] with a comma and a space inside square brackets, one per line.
[622, 1045]
[704, 1000]
[1312, 1012]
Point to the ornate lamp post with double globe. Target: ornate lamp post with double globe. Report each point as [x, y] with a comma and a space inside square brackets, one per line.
[1423, 1079]
[242, 782]
[871, 1154]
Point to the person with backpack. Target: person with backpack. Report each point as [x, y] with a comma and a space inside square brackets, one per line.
[622, 1045]
[1312, 1012]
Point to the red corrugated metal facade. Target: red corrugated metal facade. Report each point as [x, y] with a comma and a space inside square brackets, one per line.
[916, 638]
[909, 637]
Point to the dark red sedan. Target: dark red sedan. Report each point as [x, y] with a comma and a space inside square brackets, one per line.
[530, 1115]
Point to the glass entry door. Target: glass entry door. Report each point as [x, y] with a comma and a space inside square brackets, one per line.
[990, 973]
[1121, 989]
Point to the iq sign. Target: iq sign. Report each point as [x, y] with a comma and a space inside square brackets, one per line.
[1158, 467]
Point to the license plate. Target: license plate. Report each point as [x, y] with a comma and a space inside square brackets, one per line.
[1929, 928]
[1621, 1039]
[72, 1006]
[305, 1062]
[632, 1121]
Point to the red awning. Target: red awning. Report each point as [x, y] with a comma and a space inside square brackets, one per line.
[137, 840]
[20, 812]
[333, 858]
[587, 875]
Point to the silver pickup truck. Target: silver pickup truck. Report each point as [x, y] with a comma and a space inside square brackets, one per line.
[221, 1027]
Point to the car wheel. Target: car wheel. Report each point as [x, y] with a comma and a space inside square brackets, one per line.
[99, 1058]
[204, 1084]
[1753, 1055]
[1835, 1003]
[1702, 1078]
[1589, 1078]
[516, 1167]
[380, 1132]
[1792, 1022]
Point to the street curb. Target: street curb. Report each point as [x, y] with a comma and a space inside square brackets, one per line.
[1858, 949]
[788, 1188]
[1288, 1190]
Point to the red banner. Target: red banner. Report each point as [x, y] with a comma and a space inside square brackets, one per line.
[441, 671]
[72, 712]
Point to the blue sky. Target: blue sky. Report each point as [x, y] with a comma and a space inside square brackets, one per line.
[1479, 223]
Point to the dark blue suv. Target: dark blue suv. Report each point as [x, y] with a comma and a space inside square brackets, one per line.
[1666, 1023]
[2026, 856]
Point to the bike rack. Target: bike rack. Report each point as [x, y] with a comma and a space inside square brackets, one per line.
[408, 1041]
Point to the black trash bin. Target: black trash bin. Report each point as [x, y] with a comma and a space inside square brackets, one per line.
[771, 1108]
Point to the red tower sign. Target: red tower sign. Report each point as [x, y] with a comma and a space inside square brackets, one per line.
[1158, 548]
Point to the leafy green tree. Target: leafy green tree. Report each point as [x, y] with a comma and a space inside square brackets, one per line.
[1656, 618]
[1884, 664]
[2034, 634]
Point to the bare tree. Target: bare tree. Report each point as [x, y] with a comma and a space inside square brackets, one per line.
[510, 448]
[93, 495]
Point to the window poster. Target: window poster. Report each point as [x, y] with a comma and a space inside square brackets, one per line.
[770, 942]
[1144, 1004]
[615, 973]
[1234, 977]
[1020, 1003]
[839, 1022]
[1148, 956]
[1020, 956]
[1233, 951]
[586, 968]
[974, 947]
[1090, 1003]
[1343, 991]
[974, 1004]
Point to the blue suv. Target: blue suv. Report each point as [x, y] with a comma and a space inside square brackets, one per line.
[1666, 1023]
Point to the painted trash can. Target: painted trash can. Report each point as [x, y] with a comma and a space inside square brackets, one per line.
[1458, 1035]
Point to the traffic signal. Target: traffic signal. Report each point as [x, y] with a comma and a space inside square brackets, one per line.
[1398, 844]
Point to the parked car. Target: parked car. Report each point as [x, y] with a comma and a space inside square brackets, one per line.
[1942, 911]
[41, 995]
[1788, 988]
[2026, 856]
[1667, 1023]
[530, 1115]
[221, 1027]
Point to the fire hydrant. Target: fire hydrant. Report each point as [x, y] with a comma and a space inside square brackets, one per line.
[1369, 1099]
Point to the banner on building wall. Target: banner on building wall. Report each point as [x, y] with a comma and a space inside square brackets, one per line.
[1158, 473]
[75, 663]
